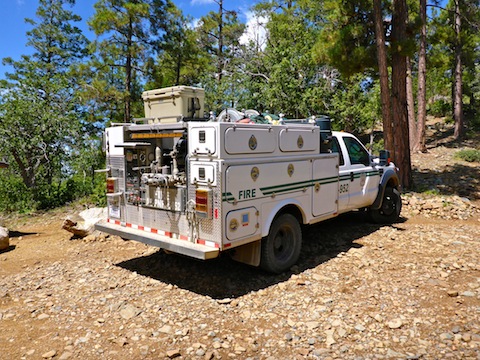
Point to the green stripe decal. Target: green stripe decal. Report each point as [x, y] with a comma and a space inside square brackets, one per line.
[297, 186]
[277, 189]
[227, 196]
[358, 175]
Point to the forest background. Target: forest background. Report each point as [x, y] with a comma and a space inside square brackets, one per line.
[368, 65]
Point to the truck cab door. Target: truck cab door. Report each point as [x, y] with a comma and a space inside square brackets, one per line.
[357, 175]
[343, 184]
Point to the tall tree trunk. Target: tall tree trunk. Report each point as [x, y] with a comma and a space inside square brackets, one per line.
[178, 69]
[457, 91]
[412, 123]
[26, 171]
[220, 42]
[399, 89]
[383, 72]
[422, 81]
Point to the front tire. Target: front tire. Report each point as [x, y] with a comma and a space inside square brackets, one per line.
[391, 207]
[281, 248]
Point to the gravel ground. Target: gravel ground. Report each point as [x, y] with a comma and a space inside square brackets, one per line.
[359, 291]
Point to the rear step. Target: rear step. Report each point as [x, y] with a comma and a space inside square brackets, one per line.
[183, 247]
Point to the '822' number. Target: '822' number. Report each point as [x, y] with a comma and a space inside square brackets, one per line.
[343, 188]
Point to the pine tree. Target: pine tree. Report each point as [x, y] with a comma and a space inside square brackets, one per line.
[180, 59]
[40, 116]
[124, 44]
[219, 34]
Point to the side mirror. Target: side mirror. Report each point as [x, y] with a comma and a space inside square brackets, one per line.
[384, 157]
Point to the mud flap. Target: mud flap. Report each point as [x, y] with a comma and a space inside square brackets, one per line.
[248, 253]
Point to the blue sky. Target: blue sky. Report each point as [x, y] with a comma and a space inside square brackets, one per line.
[13, 27]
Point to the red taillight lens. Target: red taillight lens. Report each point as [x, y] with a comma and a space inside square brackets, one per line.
[203, 202]
[110, 185]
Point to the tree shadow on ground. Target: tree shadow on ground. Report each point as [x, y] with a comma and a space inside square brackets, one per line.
[224, 278]
[456, 179]
[440, 135]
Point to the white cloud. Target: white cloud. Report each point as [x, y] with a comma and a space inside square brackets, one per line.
[255, 30]
[201, 2]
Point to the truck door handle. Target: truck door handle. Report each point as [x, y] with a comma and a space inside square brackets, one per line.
[351, 176]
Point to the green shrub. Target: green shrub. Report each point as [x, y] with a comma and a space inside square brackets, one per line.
[427, 190]
[470, 155]
[14, 195]
[439, 108]
[96, 194]
[474, 124]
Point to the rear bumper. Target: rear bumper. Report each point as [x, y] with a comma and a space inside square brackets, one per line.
[183, 247]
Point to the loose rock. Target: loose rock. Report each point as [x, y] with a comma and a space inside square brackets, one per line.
[4, 238]
[49, 354]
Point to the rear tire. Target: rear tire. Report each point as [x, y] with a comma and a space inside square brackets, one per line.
[281, 248]
[391, 207]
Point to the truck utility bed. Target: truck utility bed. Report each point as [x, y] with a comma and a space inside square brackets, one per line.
[199, 188]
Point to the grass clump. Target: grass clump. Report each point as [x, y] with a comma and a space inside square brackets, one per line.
[470, 155]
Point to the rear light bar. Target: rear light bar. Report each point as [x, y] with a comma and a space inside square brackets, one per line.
[112, 185]
[203, 203]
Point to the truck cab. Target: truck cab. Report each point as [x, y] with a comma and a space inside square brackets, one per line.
[357, 185]
[364, 178]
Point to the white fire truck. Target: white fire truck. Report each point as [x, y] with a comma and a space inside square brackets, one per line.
[200, 188]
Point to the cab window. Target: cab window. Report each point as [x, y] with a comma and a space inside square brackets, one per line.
[356, 152]
[336, 149]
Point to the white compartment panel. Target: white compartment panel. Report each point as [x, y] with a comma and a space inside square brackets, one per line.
[241, 223]
[250, 140]
[299, 140]
[203, 173]
[202, 140]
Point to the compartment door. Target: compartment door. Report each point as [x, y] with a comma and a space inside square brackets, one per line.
[325, 186]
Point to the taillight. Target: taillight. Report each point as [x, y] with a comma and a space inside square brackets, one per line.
[203, 203]
[112, 185]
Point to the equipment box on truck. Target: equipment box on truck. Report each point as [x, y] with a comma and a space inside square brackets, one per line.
[201, 188]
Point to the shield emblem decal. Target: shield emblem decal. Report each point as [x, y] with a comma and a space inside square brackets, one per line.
[290, 170]
[252, 142]
[300, 141]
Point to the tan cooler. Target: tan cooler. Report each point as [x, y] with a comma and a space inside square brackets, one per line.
[173, 104]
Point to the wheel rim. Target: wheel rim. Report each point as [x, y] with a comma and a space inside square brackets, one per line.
[283, 244]
[389, 205]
